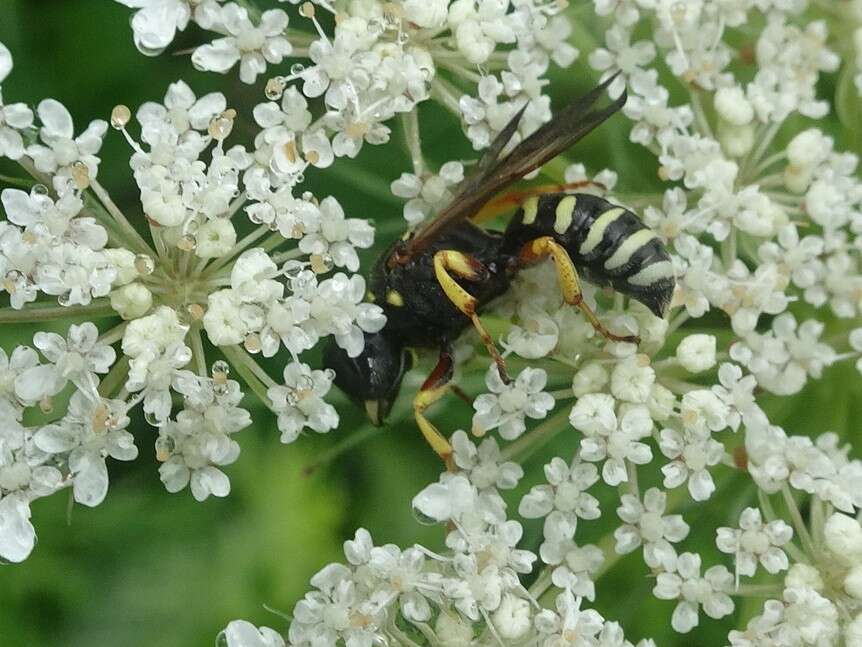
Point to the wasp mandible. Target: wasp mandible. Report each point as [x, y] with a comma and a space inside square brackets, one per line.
[434, 282]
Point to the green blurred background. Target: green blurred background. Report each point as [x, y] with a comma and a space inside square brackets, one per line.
[149, 568]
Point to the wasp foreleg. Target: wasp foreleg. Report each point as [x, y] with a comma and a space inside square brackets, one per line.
[434, 388]
[448, 263]
[570, 284]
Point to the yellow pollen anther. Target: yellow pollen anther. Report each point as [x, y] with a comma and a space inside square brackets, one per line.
[356, 130]
[306, 10]
[313, 157]
[290, 151]
[80, 175]
[120, 116]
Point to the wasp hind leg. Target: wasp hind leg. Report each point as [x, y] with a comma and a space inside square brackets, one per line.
[570, 284]
[447, 265]
[434, 388]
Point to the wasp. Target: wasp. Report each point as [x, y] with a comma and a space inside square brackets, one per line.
[434, 283]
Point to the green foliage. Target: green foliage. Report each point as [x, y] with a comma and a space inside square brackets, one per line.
[150, 568]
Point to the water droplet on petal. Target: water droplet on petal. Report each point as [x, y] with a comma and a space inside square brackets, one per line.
[423, 518]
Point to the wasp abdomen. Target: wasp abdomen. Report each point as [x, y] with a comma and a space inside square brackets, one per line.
[607, 243]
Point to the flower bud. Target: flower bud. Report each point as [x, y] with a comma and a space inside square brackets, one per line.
[131, 301]
[803, 576]
[124, 262]
[512, 618]
[853, 582]
[843, 536]
[452, 631]
[590, 379]
[733, 107]
[736, 141]
[853, 632]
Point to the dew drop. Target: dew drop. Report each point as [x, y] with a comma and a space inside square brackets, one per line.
[153, 420]
[252, 343]
[275, 88]
[220, 370]
[39, 189]
[423, 518]
[144, 264]
[296, 69]
[321, 263]
[165, 446]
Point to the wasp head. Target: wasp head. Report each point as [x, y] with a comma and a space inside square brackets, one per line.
[372, 379]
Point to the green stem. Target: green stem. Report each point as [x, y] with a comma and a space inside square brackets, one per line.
[115, 377]
[527, 444]
[118, 216]
[348, 442]
[32, 312]
[798, 522]
[234, 355]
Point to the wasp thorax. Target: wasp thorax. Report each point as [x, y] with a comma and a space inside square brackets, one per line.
[120, 116]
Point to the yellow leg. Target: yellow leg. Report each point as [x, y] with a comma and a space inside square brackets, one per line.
[569, 282]
[448, 263]
[509, 200]
[434, 388]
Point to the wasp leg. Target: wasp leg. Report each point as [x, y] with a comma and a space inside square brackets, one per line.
[434, 388]
[509, 200]
[569, 282]
[448, 263]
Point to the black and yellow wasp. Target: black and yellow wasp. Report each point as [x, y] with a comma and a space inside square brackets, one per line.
[433, 283]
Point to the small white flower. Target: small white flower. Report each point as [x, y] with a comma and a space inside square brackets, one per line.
[484, 464]
[614, 440]
[299, 403]
[696, 353]
[60, 149]
[508, 404]
[646, 523]
[240, 633]
[691, 455]
[755, 542]
[565, 492]
[252, 46]
[685, 583]
[632, 379]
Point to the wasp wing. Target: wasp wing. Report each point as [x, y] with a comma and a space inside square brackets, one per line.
[493, 174]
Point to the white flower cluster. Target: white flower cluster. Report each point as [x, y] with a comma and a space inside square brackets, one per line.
[753, 228]
[765, 238]
[204, 270]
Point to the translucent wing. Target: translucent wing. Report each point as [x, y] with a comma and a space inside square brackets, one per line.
[493, 174]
